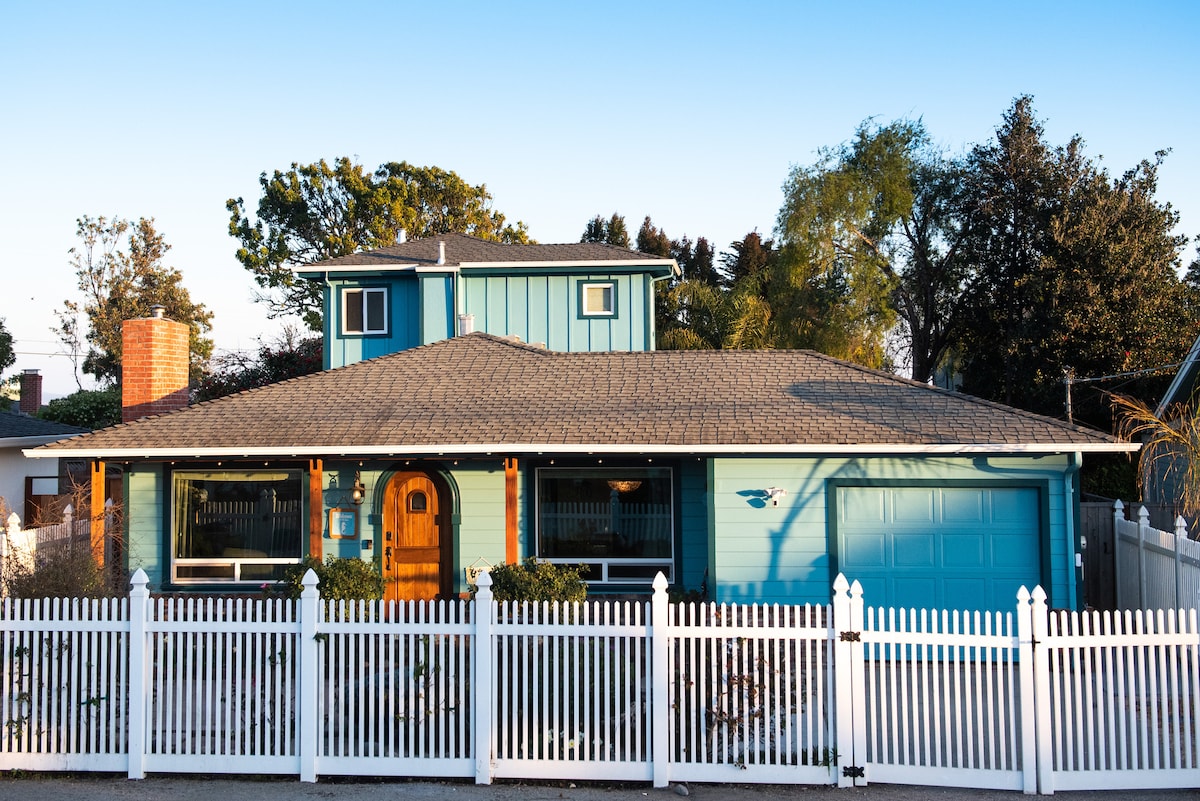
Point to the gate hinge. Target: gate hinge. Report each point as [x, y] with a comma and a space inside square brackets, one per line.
[850, 636]
[854, 772]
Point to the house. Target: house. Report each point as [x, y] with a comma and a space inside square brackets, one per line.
[756, 475]
[29, 487]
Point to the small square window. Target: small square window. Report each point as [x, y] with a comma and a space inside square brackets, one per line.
[364, 311]
[598, 300]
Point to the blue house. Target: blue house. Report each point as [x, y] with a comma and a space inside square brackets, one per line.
[546, 425]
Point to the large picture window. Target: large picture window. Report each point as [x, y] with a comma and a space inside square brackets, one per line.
[364, 311]
[619, 522]
[231, 525]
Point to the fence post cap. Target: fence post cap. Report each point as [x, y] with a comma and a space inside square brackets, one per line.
[483, 579]
[1118, 505]
[139, 578]
[1143, 514]
[13, 520]
[1039, 595]
[660, 582]
[310, 582]
[1023, 595]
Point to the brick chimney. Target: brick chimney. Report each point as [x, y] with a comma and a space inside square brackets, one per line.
[31, 392]
[154, 366]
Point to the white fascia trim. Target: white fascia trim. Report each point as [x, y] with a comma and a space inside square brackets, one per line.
[598, 266]
[559, 449]
[359, 268]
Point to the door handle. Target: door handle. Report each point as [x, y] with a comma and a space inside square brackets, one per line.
[387, 557]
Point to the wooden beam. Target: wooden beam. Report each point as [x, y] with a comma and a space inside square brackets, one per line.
[510, 511]
[316, 507]
[97, 511]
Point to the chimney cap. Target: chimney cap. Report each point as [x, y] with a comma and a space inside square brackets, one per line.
[158, 311]
[31, 370]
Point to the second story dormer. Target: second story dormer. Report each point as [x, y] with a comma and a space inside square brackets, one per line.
[571, 297]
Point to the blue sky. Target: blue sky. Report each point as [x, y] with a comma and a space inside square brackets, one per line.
[692, 113]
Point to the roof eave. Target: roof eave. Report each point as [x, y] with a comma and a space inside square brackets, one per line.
[569, 449]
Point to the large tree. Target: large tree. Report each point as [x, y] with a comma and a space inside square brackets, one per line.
[313, 212]
[607, 232]
[291, 355]
[121, 275]
[1073, 269]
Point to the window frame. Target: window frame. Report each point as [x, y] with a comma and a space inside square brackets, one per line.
[366, 330]
[608, 569]
[588, 312]
[235, 564]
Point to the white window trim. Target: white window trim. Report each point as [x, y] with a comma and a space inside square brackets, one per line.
[366, 291]
[586, 311]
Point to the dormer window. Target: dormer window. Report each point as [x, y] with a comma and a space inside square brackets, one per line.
[364, 310]
[598, 299]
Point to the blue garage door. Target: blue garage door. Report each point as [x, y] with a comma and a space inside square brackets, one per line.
[942, 548]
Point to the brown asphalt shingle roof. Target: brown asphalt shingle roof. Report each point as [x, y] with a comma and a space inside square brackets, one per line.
[486, 391]
[462, 249]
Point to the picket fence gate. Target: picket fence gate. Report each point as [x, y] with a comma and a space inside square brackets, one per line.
[842, 694]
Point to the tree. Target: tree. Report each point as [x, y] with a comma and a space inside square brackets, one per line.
[607, 232]
[121, 276]
[1170, 446]
[315, 212]
[1072, 269]
[7, 357]
[291, 356]
[87, 408]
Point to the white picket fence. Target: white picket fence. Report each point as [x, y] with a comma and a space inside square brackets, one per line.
[1027, 700]
[1155, 569]
[24, 544]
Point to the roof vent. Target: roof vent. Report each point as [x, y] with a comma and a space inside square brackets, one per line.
[158, 311]
[441, 253]
[401, 236]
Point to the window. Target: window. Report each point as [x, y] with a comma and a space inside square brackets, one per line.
[598, 299]
[231, 525]
[364, 311]
[618, 521]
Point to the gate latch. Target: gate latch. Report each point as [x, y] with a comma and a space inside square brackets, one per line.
[850, 636]
[854, 772]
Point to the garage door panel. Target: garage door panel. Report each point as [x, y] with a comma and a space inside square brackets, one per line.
[913, 507]
[949, 548]
[914, 550]
[963, 506]
[963, 550]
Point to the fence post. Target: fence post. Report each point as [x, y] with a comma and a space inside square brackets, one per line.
[139, 692]
[308, 609]
[22, 543]
[11, 527]
[1118, 517]
[484, 615]
[1025, 672]
[1043, 732]
[851, 712]
[68, 516]
[108, 531]
[1181, 534]
[1143, 525]
[660, 699]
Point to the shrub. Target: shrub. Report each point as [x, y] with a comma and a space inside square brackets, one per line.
[68, 573]
[338, 579]
[532, 580]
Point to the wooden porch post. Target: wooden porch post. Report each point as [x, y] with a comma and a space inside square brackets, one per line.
[97, 511]
[510, 511]
[316, 506]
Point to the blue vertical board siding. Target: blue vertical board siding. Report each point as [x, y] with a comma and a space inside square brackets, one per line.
[404, 320]
[545, 308]
[480, 487]
[436, 304]
[784, 553]
[146, 522]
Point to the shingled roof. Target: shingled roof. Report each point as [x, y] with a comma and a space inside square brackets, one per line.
[481, 394]
[20, 426]
[470, 251]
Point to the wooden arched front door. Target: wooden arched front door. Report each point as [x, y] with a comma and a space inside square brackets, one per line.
[415, 539]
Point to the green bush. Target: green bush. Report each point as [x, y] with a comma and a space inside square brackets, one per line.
[532, 580]
[338, 579]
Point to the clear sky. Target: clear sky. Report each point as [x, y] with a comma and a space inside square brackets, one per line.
[690, 112]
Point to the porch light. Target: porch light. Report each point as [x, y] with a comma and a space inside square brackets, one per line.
[623, 485]
[358, 492]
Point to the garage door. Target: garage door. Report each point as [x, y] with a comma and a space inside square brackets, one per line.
[943, 548]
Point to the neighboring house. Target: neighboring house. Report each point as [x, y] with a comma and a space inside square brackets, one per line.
[30, 486]
[757, 475]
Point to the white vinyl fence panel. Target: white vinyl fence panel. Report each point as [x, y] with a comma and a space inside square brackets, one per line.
[1155, 569]
[632, 691]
